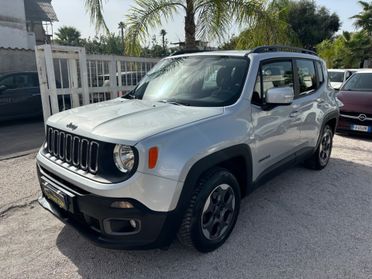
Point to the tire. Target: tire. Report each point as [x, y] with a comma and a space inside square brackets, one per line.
[212, 212]
[320, 158]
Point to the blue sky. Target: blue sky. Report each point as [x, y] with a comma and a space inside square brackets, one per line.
[72, 13]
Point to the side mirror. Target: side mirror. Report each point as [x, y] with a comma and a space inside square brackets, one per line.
[280, 96]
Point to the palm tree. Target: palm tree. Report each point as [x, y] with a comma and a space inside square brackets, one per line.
[163, 33]
[207, 19]
[364, 19]
[68, 35]
[121, 26]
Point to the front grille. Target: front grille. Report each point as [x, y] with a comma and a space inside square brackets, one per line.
[80, 152]
[356, 114]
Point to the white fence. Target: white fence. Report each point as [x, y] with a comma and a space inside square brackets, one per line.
[71, 78]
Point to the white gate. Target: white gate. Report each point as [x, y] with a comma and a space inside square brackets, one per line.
[71, 78]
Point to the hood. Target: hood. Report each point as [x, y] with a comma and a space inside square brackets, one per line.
[356, 101]
[128, 121]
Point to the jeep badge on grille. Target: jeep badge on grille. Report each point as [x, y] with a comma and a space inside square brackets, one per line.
[72, 126]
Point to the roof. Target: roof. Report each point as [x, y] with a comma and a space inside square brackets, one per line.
[263, 51]
[245, 53]
[40, 10]
[364, 71]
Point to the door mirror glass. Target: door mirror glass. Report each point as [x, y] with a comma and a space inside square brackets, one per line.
[280, 96]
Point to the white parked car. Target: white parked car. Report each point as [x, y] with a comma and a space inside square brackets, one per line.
[175, 156]
[338, 76]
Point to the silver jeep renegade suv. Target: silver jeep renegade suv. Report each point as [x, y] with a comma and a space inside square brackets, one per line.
[175, 156]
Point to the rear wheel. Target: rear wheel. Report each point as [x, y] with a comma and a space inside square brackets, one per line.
[213, 211]
[322, 155]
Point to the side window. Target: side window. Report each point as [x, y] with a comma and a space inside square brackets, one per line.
[273, 75]
[320, 72]
[23, 81]
[34, 80]
[306, 76]
[8, 82]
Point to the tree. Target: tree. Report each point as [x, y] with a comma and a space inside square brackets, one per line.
[104, 44]
[121, 26]
[156, 50]
[312, 24]
[207, 19]
[163, 33]
[271, 28]
[348, 50]
[364, 18]
[68, 36]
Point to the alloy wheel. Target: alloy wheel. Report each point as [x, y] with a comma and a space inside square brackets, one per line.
[218, 212]
[325, 147]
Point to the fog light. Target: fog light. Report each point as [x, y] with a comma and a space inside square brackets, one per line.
[133, 223]
[122, 204]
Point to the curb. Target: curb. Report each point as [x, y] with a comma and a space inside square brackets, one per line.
[18, 154]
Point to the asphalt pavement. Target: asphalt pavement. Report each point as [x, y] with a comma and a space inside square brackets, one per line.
[300, 224]
[20, 137]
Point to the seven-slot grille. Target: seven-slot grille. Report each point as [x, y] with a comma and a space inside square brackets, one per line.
[74, 150]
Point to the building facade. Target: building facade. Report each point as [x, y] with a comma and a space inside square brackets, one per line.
[23, 23]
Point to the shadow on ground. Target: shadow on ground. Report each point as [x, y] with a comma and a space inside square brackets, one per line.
[20, 136]
[302, 224]
[356, 136]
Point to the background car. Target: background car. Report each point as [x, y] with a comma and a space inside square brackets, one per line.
[338, 76]
[356, 95]
[19, 96]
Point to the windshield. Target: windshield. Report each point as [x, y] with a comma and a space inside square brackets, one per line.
[336, 76]
[194, 81]
[359, 82]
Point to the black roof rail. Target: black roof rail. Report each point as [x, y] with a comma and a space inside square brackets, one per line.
[274, 48]
[186, 51]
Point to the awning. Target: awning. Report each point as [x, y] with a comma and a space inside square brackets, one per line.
[40, 10]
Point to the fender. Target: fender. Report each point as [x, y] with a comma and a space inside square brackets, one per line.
[200, 167]
[334, 115]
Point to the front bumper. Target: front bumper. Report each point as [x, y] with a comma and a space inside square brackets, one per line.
[108, 227]
[346, 124]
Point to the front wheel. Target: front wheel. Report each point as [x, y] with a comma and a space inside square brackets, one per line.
[322, 155]
[213, 211]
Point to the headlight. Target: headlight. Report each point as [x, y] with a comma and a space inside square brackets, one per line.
[124, 158]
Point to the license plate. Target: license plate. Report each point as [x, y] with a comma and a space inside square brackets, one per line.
[55, 195]
[360, 128]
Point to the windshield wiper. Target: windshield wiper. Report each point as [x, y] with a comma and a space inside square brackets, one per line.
[174, 103]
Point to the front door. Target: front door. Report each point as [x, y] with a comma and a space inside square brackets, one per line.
[277, 128]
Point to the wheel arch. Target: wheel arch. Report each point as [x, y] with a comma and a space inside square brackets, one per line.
[237, 159]
[330, 119]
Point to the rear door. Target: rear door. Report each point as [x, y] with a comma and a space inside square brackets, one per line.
[277, 134]
[310, 99]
